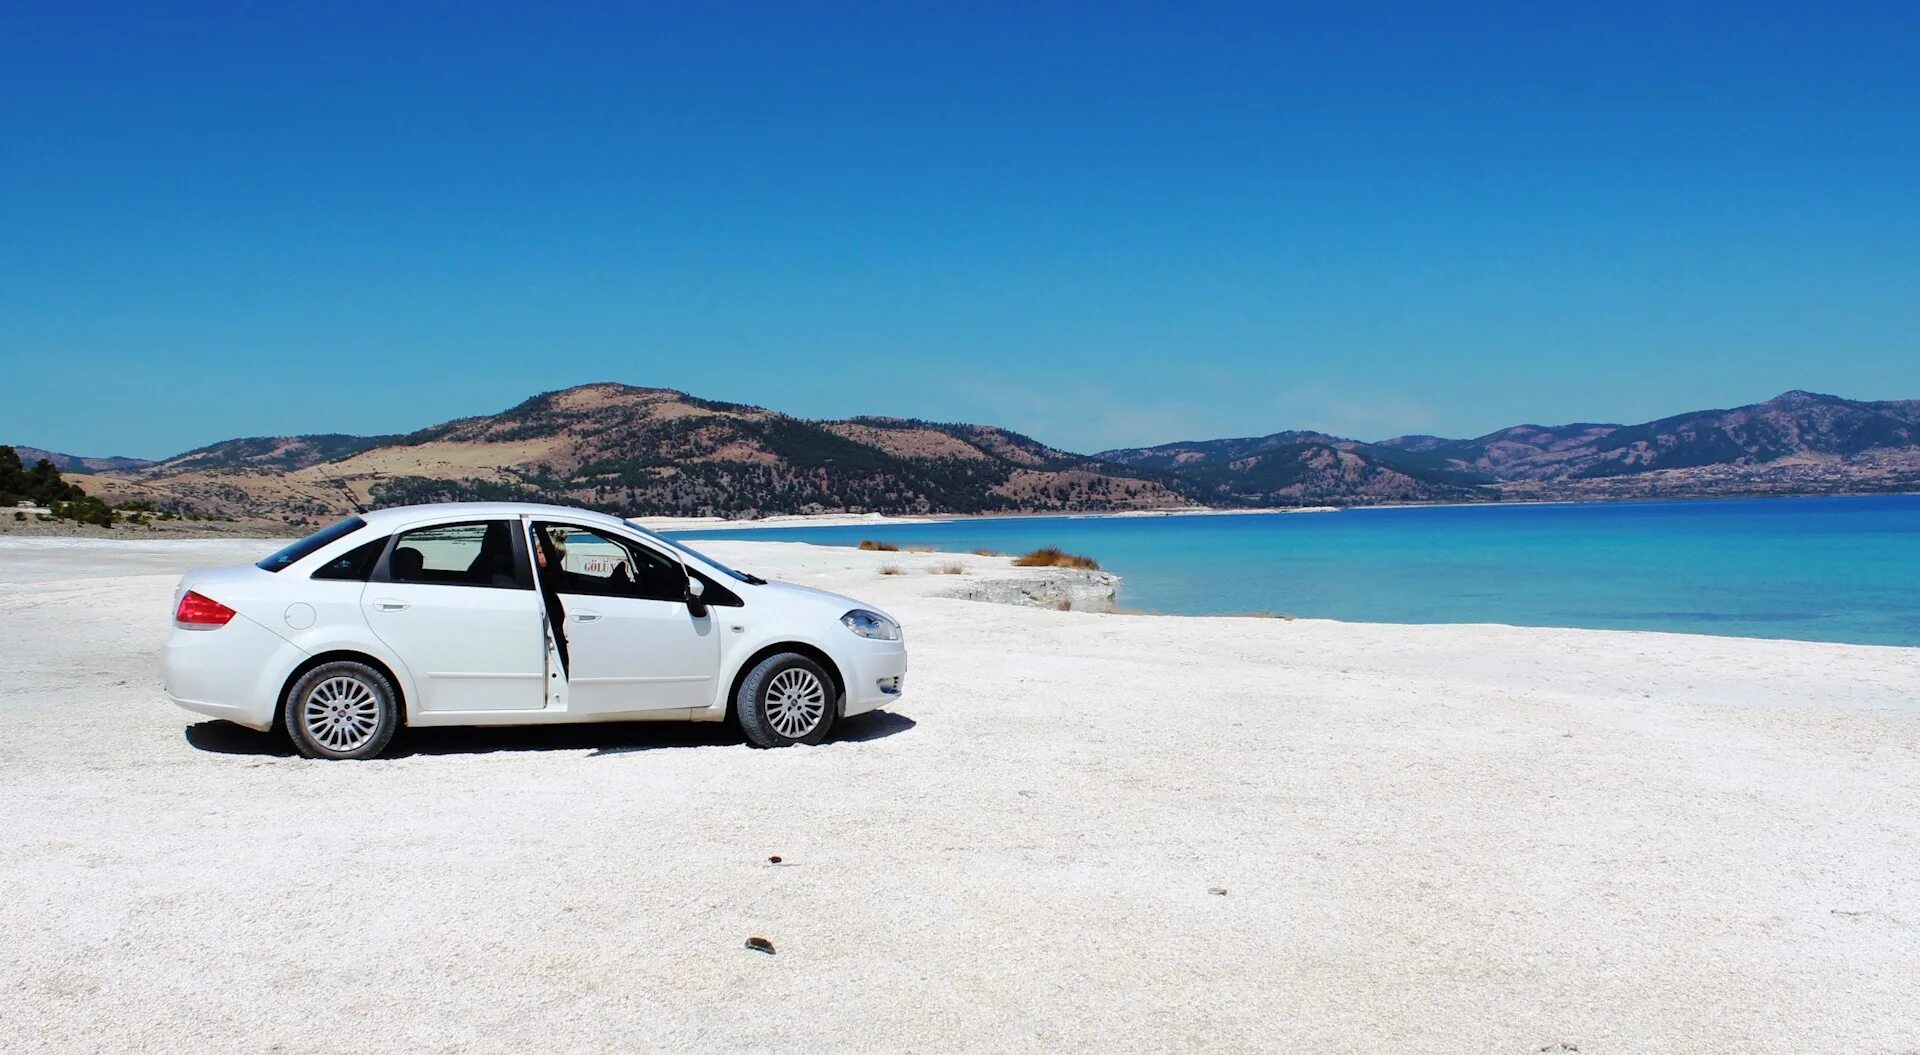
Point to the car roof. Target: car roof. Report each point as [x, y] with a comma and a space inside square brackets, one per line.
[399, 516]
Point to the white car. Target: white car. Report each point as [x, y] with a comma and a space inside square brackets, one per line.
[503, 613]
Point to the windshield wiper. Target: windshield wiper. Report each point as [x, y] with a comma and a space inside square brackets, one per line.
[752, 579]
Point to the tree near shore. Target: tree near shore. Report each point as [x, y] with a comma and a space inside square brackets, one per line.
[43, 485]
[13, 477]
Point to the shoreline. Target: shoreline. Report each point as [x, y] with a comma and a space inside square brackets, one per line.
[811, 520]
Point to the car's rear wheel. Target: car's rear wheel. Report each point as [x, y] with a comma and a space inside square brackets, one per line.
[342, 709]
[786, 699]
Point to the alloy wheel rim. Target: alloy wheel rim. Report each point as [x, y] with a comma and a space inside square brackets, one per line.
[341, 714]
[796, 701]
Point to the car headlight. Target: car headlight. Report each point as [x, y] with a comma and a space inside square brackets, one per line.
[871, 624]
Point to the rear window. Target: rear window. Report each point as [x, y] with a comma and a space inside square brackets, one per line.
[311, 543]
[355, 565]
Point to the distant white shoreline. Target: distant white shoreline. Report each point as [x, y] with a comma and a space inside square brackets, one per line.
[823, 520]
[815, 520]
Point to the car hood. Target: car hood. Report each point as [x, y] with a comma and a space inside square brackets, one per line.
[839, 602]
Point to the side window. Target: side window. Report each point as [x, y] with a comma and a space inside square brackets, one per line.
[604, 566]
[472, 554]
[356, 564]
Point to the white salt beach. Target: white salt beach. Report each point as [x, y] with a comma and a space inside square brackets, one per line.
[1429, 838]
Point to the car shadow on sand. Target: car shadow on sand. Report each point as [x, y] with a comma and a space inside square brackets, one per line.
[602, 738]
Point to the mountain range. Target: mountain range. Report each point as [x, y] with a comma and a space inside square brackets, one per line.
[74, 463]
[1795, 443]
[662, 452]
[644, 450]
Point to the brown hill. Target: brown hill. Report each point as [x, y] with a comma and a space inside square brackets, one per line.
[75, 463]
[647, 451]
[1796, 443]
[1307, 468]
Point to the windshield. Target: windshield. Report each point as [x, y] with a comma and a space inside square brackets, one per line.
[311, 543]
[753, 580]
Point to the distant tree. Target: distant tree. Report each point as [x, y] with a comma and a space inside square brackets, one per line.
[13, 477]
[44, 485]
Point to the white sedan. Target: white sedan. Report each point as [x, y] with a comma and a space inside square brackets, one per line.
[504, 613]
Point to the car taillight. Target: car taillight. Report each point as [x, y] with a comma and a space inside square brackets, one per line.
[198, 610]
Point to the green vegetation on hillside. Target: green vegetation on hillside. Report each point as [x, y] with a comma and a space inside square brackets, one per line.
[40, 485]
[43, 485]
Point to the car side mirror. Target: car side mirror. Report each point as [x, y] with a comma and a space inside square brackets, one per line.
[695, 591]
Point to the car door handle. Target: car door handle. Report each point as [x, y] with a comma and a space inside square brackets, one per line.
[585, 617]
[392, 606]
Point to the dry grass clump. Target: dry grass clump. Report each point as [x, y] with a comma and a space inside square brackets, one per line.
[919, 549]
[1065, 604]
[883, 547]
[951, 568]
[984, 552]
[1053, 557]
[892, 569]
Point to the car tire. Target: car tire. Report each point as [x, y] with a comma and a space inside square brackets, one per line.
[342, 710]
[786, 699]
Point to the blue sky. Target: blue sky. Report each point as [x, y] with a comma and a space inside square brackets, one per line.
[1108, 224]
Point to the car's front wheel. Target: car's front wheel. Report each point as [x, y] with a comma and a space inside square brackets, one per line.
[786, 699]
[342, 710]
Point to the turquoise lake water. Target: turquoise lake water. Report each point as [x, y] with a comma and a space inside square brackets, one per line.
[1815, 569]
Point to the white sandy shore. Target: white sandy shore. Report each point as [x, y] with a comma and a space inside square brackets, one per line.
[1435, 839]
[884, 520]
